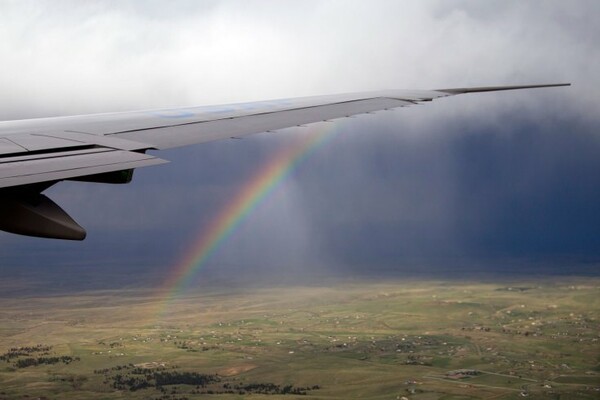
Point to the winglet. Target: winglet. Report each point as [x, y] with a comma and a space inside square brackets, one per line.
[497, 88]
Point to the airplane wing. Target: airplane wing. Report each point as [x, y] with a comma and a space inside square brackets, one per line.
[37, 153]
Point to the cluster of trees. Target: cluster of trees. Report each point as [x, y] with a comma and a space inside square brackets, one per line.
[171, 397]
[184, 378]
[32, 362]
[17, 352]
[253, 388]
[115, 368]
[132, 378]
[135, 378]
[132, 383]
[41, 353]
[268, 388]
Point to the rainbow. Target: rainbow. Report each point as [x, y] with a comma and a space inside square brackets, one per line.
[263, 183]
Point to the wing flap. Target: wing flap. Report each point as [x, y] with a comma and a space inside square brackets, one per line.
[101, 140]
[32, 142]
[35, 142]
[10, 147]
[60, 165]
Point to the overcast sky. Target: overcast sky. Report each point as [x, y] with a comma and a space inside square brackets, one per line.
[492, 180]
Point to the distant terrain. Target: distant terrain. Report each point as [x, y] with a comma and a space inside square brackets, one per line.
[415, 339]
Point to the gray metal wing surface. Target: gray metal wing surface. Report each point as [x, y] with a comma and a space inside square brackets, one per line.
[106, 148]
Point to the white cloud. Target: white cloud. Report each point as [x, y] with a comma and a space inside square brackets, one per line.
[71, 57]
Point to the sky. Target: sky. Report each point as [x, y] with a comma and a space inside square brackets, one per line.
[490, 183]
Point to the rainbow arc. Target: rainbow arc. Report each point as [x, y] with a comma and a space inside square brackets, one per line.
[233, 214]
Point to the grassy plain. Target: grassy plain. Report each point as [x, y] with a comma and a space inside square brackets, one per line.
[367, 340]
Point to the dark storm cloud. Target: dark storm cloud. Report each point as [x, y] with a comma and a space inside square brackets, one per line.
[483, 177]
[528, 192]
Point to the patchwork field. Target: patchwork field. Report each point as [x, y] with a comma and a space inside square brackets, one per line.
[393, 340]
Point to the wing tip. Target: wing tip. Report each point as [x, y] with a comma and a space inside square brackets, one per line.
[498, 88]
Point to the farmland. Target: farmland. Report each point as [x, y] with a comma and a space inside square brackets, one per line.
[379, 340]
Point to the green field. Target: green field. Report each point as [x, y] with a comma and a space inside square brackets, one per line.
[412, 339]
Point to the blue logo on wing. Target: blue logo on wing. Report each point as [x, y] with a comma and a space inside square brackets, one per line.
[173, 114]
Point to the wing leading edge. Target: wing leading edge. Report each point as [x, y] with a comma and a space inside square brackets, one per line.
[37, 153]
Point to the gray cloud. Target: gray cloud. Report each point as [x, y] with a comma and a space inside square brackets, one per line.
[63, 57]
